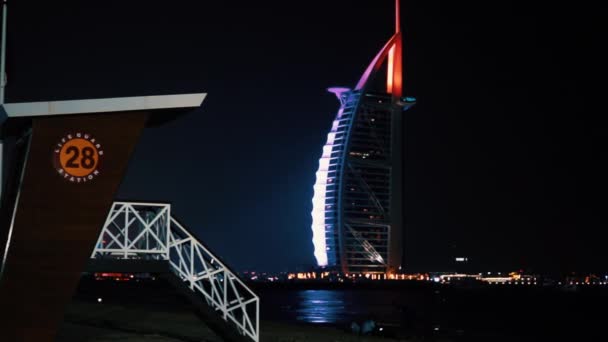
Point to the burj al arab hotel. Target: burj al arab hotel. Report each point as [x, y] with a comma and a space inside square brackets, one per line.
[357, 217]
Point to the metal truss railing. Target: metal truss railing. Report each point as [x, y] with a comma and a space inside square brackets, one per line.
[147, 231]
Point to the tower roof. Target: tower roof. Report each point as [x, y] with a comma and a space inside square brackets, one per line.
[106, 105]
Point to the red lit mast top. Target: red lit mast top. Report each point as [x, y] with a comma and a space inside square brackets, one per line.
[393, 51]
[397, 16]
[394, 77]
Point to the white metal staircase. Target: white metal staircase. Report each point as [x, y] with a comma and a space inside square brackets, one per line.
[147, 231]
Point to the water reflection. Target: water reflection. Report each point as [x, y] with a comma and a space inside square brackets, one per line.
[332, 306]
[320, 306]
[457, 312]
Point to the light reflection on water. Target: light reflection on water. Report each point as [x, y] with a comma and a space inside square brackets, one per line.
[320, 306]
[490, 314]
[330, 306]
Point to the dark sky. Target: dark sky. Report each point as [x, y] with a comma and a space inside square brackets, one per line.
[503, 158]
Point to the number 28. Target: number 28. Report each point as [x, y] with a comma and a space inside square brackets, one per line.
[86, 155]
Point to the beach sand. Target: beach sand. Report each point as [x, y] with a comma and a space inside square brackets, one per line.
[100, 322]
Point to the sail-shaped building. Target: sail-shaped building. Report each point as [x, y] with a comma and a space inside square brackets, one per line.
[357, 217]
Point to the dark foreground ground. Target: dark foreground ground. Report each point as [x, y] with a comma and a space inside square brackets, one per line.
[152, 311]
[89, 322]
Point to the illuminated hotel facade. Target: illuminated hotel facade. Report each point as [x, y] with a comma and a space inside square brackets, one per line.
[357, 217]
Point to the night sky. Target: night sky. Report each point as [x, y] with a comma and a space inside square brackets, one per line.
[503, 159]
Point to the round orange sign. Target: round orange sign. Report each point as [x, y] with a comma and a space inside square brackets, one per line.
[77, 157]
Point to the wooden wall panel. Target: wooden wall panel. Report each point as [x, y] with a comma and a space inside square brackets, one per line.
[58, 221]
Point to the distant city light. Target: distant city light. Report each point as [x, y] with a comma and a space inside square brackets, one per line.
[514, 279]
